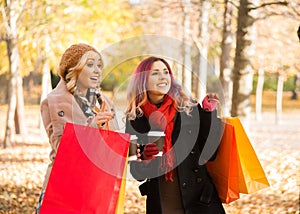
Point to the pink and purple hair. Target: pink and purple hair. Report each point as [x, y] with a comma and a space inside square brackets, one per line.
[137, 91]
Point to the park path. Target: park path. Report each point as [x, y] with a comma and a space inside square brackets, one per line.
[264, 134]
[284, 135]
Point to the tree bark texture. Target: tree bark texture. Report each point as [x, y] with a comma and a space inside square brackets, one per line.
[204, 39]
[225, 67]
[186, 67]
[15, 113]
[279, 95]
[243, 71]
[259, 94]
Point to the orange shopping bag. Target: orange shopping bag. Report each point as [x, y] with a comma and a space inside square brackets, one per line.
[224, 169]
[87, 172]
[251, 174]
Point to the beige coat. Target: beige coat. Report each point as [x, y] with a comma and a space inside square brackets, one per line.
[58, 108]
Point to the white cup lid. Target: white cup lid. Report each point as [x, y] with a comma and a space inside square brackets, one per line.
[133, 137]
[156, 134]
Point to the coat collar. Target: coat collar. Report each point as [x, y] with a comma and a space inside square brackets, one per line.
[64, 100]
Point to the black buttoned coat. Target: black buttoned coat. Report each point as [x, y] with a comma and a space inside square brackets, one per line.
[195, 139]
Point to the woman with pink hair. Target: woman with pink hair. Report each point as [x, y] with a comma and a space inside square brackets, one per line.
[178, 181]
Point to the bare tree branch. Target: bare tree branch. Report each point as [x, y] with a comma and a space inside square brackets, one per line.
[283, 3]
[3, 38]
[296, 11]
[235, 5]
[5, 21]
[282, 14]
[21, 14]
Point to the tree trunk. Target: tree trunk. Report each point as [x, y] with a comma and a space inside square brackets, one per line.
[46, 76]
[243, 71]
[20, 106]
[204, 38]
[186, 67]
[279, 97]
[15, 100]
[12, 98]
[225, 68]
[46, 80]
[259, 93]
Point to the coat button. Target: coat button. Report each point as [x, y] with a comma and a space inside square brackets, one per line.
[199, 180]
[184, 185]
[195, 170]
[190, 131]
[61, 113]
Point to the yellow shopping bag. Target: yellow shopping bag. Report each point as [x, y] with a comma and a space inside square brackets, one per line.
[251, 174]
[121, 198]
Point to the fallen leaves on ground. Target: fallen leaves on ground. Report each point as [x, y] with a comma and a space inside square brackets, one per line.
[23, 166]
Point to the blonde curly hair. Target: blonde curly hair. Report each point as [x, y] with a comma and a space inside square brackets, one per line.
[72, 62]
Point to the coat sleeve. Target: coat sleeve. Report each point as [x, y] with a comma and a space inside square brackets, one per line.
[141, 170]
[53, 140]
[45, 113]
[46, 116]
[211, 130]
[139, 127]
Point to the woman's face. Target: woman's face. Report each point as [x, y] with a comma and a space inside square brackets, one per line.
[89, 77]
[159, 82]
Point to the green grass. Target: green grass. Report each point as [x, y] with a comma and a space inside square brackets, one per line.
[269, 102]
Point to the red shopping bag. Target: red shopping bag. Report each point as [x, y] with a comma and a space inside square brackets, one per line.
[87, 172]
[224, 169]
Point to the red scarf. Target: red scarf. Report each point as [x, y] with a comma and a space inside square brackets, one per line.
[163, 117]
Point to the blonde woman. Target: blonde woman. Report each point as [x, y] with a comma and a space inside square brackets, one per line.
[178, 181]
[76, 98]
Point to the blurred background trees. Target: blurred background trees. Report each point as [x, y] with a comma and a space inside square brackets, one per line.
[235, 39]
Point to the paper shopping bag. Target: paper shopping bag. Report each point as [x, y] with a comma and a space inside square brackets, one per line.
[251, 174]
[224, 169]
[121, 198]
[87, 171]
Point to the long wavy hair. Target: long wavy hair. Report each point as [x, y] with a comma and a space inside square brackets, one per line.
[137, 91]
[73, 73]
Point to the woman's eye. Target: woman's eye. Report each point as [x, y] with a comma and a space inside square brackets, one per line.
[154, 73]
[99, 65]
[166, 72]
[90, 65]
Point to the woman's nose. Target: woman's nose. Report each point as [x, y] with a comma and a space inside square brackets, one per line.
[162, 76]
[97, 69]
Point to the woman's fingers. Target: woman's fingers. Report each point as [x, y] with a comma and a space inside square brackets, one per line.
[103, 117]
[151, 149]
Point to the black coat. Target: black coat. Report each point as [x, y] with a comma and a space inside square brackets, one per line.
[191, 133]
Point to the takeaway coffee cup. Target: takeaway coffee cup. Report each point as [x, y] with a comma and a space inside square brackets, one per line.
[157, 137]
[133, 145]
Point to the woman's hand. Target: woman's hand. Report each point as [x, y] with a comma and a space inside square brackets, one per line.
[102, 118]
[210, 102]
[150, 150]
